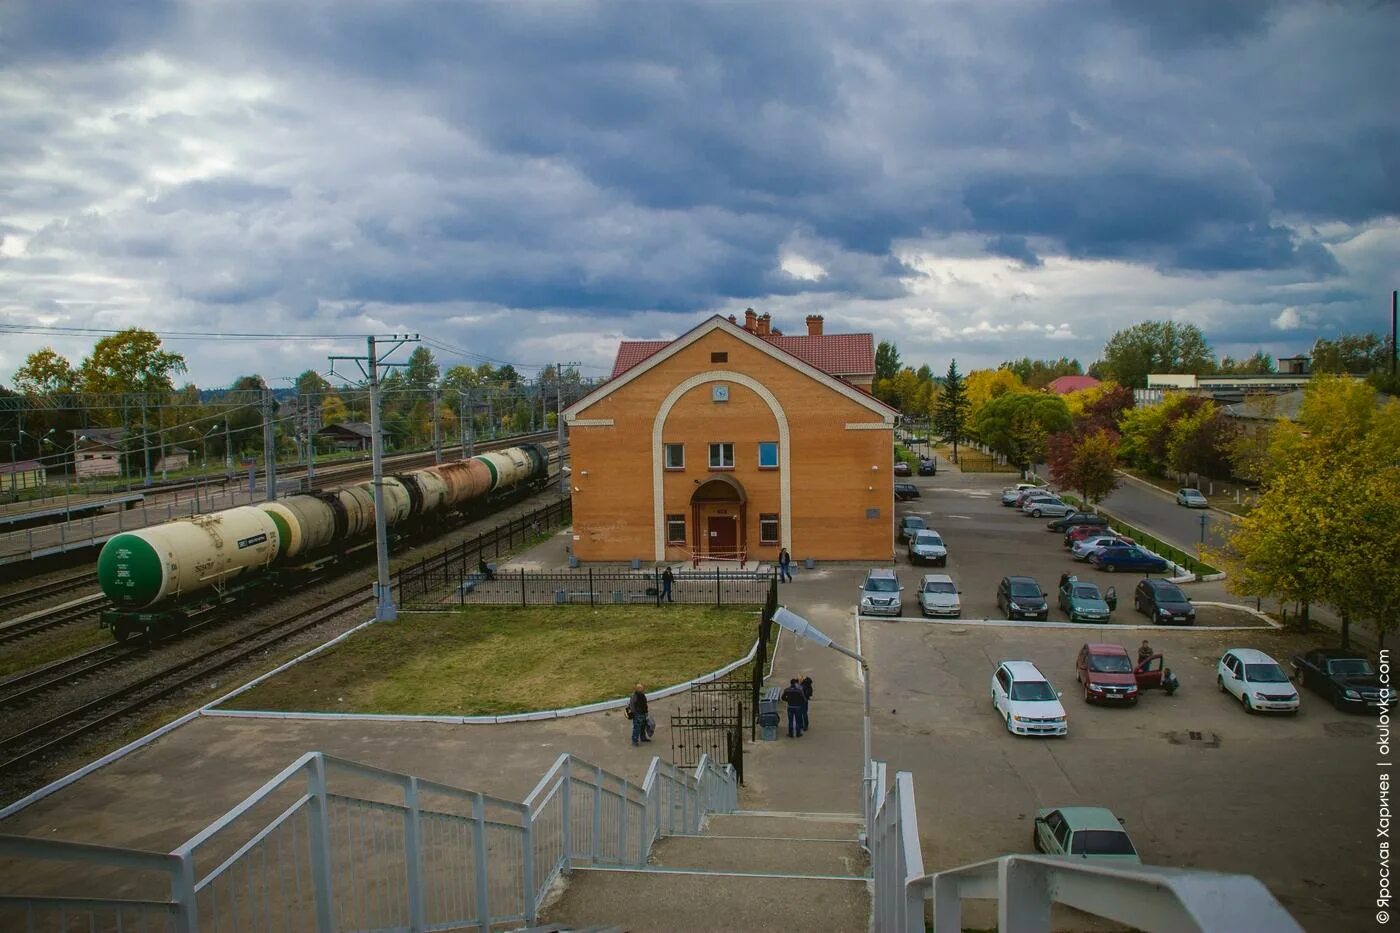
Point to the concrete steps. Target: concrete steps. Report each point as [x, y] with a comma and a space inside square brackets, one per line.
[749, 870]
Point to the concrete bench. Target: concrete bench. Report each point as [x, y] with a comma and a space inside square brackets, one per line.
[569, 596]
[470, 583]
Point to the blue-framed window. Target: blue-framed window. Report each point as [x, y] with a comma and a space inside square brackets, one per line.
[768, 455]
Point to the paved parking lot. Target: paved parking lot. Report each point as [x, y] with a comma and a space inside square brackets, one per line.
[1199, 782]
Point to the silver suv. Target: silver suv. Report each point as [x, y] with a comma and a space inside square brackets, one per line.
[879, 594]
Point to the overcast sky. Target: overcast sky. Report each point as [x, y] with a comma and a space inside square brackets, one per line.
[535, 181]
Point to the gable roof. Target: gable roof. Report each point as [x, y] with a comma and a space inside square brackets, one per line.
[1067, 384]
[21, 466]
[651, 353]
[358, 428]
[837, 354]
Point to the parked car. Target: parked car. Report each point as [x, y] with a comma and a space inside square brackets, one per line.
[1010, 494]
[1106, 673]
[901, 468]
[1088, 832]
[879, 594]
[1256, 680]
[938, 596]
[1024, 698]
[928, 466]
[1027, 495]
[1076, 533]
[1022, 597]
[1346, 678]
[1163, 602]
[1078, 518]
[1092, 542]
[927, 546]
[903, 492]
[1039, 507]
[908, 525]
[1082, 601]
[1128, 558]
[1191, 498]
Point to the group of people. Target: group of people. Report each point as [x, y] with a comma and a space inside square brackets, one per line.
[798, 697]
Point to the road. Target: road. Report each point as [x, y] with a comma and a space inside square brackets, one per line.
[1158, 514]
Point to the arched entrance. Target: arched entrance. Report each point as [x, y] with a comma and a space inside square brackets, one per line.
[718, 515]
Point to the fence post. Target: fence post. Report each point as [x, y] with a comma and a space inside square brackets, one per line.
[717, 599]
[656, 584]
[527, 869]
[597, 813]
[413, 854]
[320, 840]
[183, 894]
[483, 888]
[522, 587]
[590, 586]
[622, 807]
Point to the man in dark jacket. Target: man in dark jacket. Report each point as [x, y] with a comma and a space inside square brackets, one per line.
[668, 579]
[796, 702]
[806, 686]
[637, 712]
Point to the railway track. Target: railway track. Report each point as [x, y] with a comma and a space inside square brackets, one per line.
[9, 602]
[65, 614]
[58, 731]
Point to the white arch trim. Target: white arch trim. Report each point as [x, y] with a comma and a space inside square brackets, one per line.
[658, 472]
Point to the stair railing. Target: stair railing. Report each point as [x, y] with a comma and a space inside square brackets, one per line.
[1026, 887]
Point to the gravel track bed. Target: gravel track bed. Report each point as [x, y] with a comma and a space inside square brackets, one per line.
[15, 784]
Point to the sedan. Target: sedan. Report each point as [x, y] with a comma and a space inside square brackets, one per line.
[938, 596]
[1191, 498]
[928, 466]
[1087, 546]
[1011, 494]
[927, 546]
[910, 525]
[1026, 701]
[902, 469]
[1089, 832]
[1347, 678]
[1128, 558]
[1256, 680]
[1046, 506]
[906, 491]
[1074, 520]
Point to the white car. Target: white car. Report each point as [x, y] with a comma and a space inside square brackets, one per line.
[938, 596]
[1191, 498]
[1256, 680]
[1086, 546]
[1047, 506]
[1024, 698]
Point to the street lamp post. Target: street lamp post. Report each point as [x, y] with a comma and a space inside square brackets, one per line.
[803, 629]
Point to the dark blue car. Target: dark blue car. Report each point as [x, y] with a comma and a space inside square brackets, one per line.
[1127, 558]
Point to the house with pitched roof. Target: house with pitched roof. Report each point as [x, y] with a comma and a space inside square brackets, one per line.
[732, 441]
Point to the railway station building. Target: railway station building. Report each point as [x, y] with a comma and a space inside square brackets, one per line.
[730, 442]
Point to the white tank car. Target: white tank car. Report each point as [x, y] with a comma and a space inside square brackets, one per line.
[508, 467]
[180, 558]
[433, 489]
[304, 522]
[358, 502]
[398, 504]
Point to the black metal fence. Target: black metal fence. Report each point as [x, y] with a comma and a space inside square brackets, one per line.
[721, 737]
[465, 585]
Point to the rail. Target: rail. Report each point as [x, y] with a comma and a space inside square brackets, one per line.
[1026, 887]
[330, 844]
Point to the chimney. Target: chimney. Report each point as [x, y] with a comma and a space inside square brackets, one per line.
[731, 319]
[765, 324]
[750, 320]
[814, 325]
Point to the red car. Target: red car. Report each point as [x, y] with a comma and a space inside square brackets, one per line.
[1106, 674]
[1080, 532]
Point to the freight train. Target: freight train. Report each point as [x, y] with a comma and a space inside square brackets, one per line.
[160, 577]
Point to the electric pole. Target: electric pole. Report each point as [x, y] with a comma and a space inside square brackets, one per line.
[559, 400]
[269, 448]
[385, 610]
[145, 441]
[437, 425]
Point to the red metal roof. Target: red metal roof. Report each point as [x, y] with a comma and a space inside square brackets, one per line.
[834, 354]
[1066, 384]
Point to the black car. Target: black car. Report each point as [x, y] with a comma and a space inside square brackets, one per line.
[1163, 602]
[1075, 518]
[905, 491]
[1347, 678]
[928, 466]
[1022, 598]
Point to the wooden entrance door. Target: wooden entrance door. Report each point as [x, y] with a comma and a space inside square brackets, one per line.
[723, 535]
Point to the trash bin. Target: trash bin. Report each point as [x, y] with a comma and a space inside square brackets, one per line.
[617, 596]
[768, 715]
[573, 562]
[809, 563]
[560, 598]
[636, 563]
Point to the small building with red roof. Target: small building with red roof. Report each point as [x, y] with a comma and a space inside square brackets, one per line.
[1064, 385]
[731, 442]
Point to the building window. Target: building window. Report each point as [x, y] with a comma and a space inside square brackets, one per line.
[675, 456]
[675, 529]
[719, 357]
[721, 456]
[768, 455]
[768, 529]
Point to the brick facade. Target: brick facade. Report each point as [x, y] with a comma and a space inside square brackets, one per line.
[834, 450]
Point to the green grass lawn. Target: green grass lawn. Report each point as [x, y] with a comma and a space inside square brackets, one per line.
[490, 660]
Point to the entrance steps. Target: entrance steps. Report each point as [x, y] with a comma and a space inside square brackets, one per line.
[748, 870]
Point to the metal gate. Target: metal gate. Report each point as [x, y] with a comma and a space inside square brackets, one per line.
[718, 736]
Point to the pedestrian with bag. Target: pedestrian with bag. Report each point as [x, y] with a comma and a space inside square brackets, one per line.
[796, 702]
[806, 685]
[784, 566]
[637, 712]
[668, 580]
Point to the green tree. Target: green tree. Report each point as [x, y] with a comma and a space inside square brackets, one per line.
[886, 360]
[1155, 347]
[45, 372]
[130, 361]
[1260, 364]
[951, 408]
[1202, 442]
[1146, 430]
[421, 374]
[1358, 354]
[1037, 374]
[1017, 424]
[1087, 463]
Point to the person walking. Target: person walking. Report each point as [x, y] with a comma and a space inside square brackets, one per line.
[796, 702]
[784, 566]
[806, 685]
[668, 579]
[637, 712]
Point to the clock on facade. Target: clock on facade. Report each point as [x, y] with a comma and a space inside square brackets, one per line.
[719, 393]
